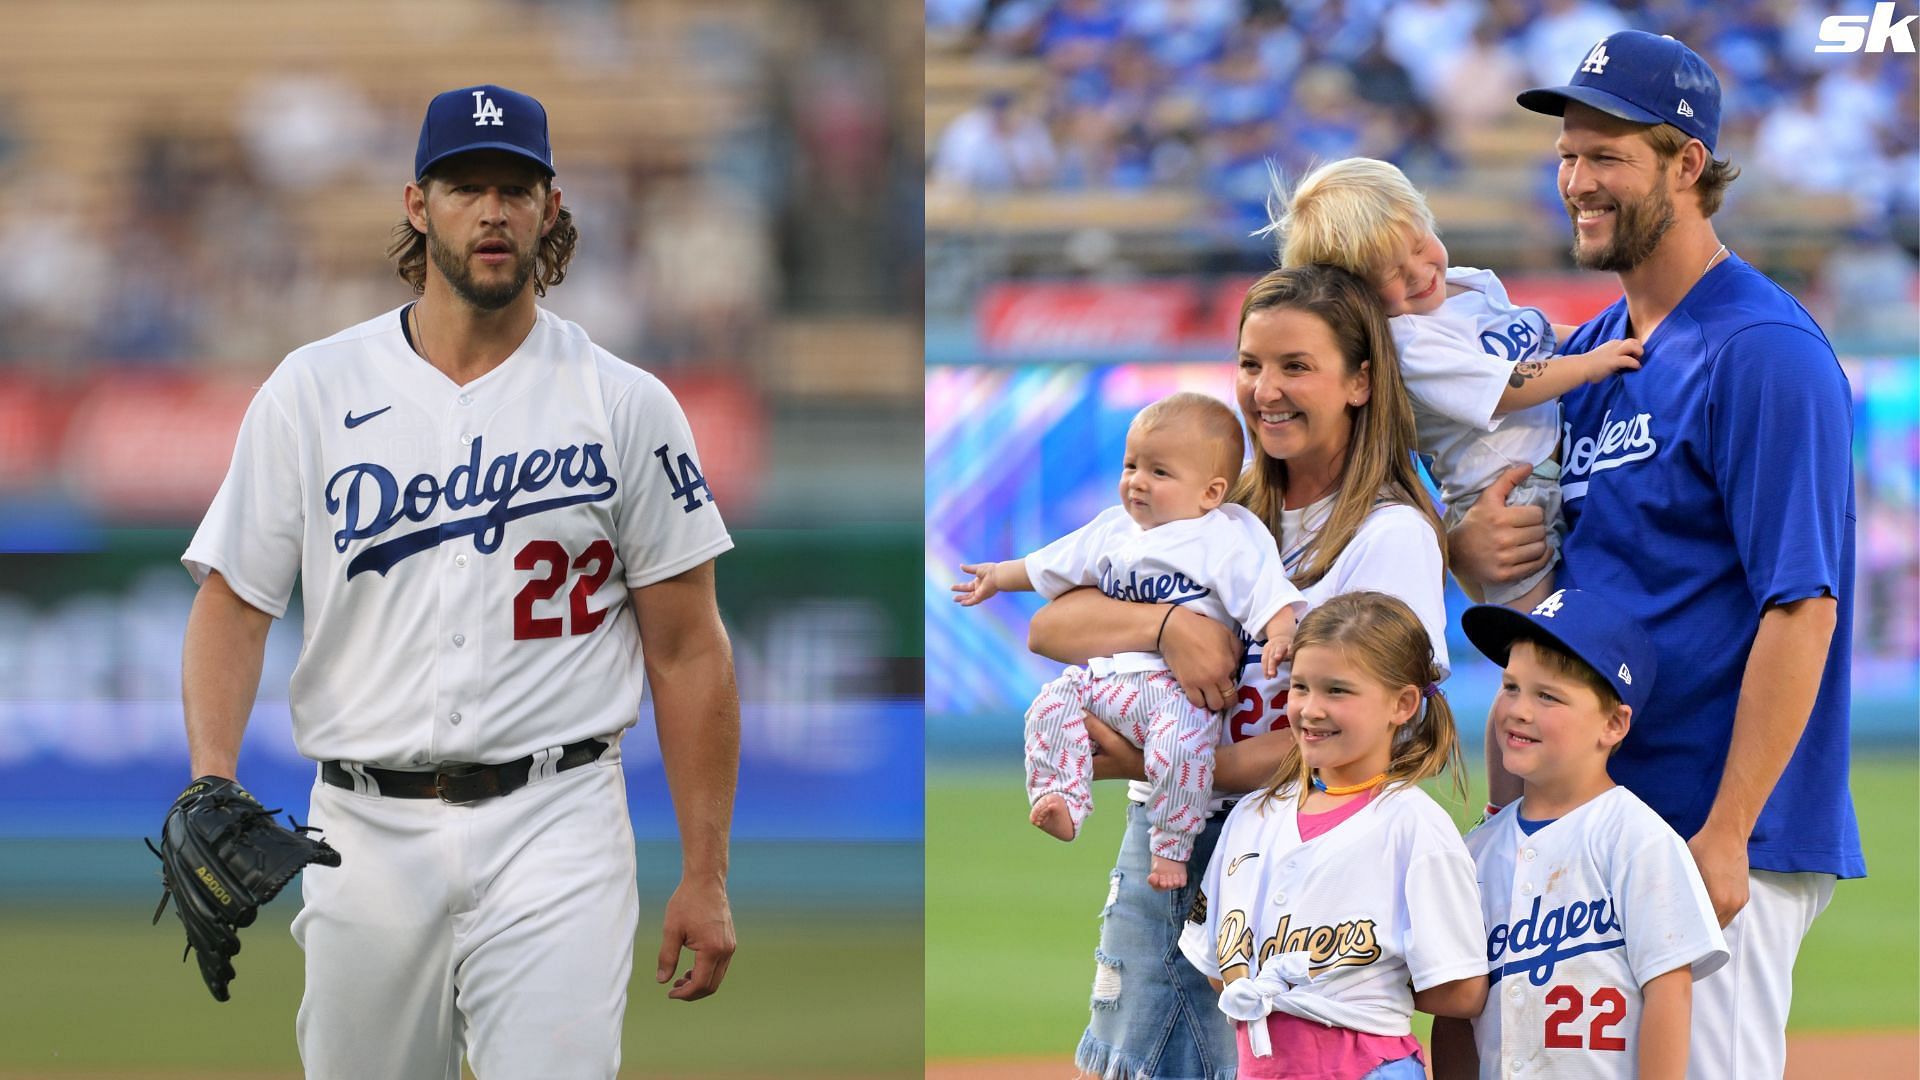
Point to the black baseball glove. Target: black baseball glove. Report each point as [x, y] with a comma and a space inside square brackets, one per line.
[222, 855]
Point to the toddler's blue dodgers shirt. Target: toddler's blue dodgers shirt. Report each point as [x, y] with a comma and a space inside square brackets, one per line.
[1711, 483]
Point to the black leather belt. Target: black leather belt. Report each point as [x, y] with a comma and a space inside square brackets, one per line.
[460, 784]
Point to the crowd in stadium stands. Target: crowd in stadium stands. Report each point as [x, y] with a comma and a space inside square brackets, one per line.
[807, 203]
[1205, 92]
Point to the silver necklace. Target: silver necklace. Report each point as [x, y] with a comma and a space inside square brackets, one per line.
[419, 338]
[1703, 270]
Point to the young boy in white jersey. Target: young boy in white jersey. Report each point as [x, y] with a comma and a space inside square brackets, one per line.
[1173, 540]
[1597, 921]
[1481, 371]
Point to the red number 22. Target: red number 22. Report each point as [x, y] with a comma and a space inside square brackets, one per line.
[1613, 1005]
[549, 553]
[1252, 709]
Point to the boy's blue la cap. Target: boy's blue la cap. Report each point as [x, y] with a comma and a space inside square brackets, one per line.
[1642, 77]
[483, 118]
[1601, 635]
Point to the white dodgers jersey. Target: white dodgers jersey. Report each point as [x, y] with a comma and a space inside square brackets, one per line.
[1395, 552]
[465, 552]
[1382, 901]
[1456, 363]
[1579, 916]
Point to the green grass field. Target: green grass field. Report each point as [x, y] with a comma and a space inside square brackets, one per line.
[1013, 917]
[814, 991]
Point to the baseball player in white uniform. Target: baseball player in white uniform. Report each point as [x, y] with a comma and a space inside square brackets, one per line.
[1173, 540]
[1597, 921]
[502, 534]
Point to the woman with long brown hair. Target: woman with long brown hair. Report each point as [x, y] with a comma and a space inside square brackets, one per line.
[1332, 475]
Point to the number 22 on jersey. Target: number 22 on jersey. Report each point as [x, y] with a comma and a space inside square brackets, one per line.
[595, 564]
[1255, 715]
[1563, 1023]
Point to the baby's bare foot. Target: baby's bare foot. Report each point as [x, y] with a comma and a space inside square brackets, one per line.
[1167, 875]
[1050, 816]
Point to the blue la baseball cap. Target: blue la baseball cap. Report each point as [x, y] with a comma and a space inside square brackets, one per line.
[483, 118]
[1603, 636]
[1646, 78]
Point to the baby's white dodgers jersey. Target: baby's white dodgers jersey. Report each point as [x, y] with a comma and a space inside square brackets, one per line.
[1385, 898]
[1222, 564]
[1579, 916]
[1456, 363]
[465, 552]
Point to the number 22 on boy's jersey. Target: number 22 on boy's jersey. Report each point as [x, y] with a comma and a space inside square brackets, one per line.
[1563, 1024]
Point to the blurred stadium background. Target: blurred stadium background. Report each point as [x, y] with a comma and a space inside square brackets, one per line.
[189, 189]
[1095, 169]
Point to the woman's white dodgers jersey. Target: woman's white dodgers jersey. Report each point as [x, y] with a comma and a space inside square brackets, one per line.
[490, 532]
[1384, 898]
[1579, 916]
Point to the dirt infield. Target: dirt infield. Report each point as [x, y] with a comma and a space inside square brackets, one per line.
[1822, 1056]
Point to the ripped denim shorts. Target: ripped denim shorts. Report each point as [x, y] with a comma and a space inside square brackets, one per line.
[1154, 1015]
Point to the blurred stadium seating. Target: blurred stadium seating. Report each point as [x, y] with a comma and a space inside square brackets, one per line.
[1056, 127]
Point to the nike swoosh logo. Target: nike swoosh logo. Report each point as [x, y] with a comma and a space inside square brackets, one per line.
[355, 421]
[1235, 864]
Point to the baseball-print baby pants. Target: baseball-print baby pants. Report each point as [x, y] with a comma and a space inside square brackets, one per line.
[500, 930]
[1149, 710]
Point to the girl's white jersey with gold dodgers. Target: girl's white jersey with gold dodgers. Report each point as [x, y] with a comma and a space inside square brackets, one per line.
[1383, 900]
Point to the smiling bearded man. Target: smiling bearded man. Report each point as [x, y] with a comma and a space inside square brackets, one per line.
[1710, 494]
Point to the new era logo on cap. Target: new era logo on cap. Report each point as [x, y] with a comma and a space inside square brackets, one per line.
[1646, 78]
[483, 118]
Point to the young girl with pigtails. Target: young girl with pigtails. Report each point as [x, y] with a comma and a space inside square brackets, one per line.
[1341, 897]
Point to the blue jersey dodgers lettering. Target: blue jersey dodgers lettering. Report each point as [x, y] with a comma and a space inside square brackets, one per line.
[375, 502]
[1551, 933]
[1615, 443]
[1175, 588]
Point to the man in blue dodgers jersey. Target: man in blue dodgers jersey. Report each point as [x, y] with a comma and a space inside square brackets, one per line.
[1710, 493]
[473, 496]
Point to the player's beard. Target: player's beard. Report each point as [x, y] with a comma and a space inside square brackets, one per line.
[458, 271]
[1638, 228]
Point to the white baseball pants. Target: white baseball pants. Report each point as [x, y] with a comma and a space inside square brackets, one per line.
[501, 930]
[1148, 709]
[1740, 1011]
